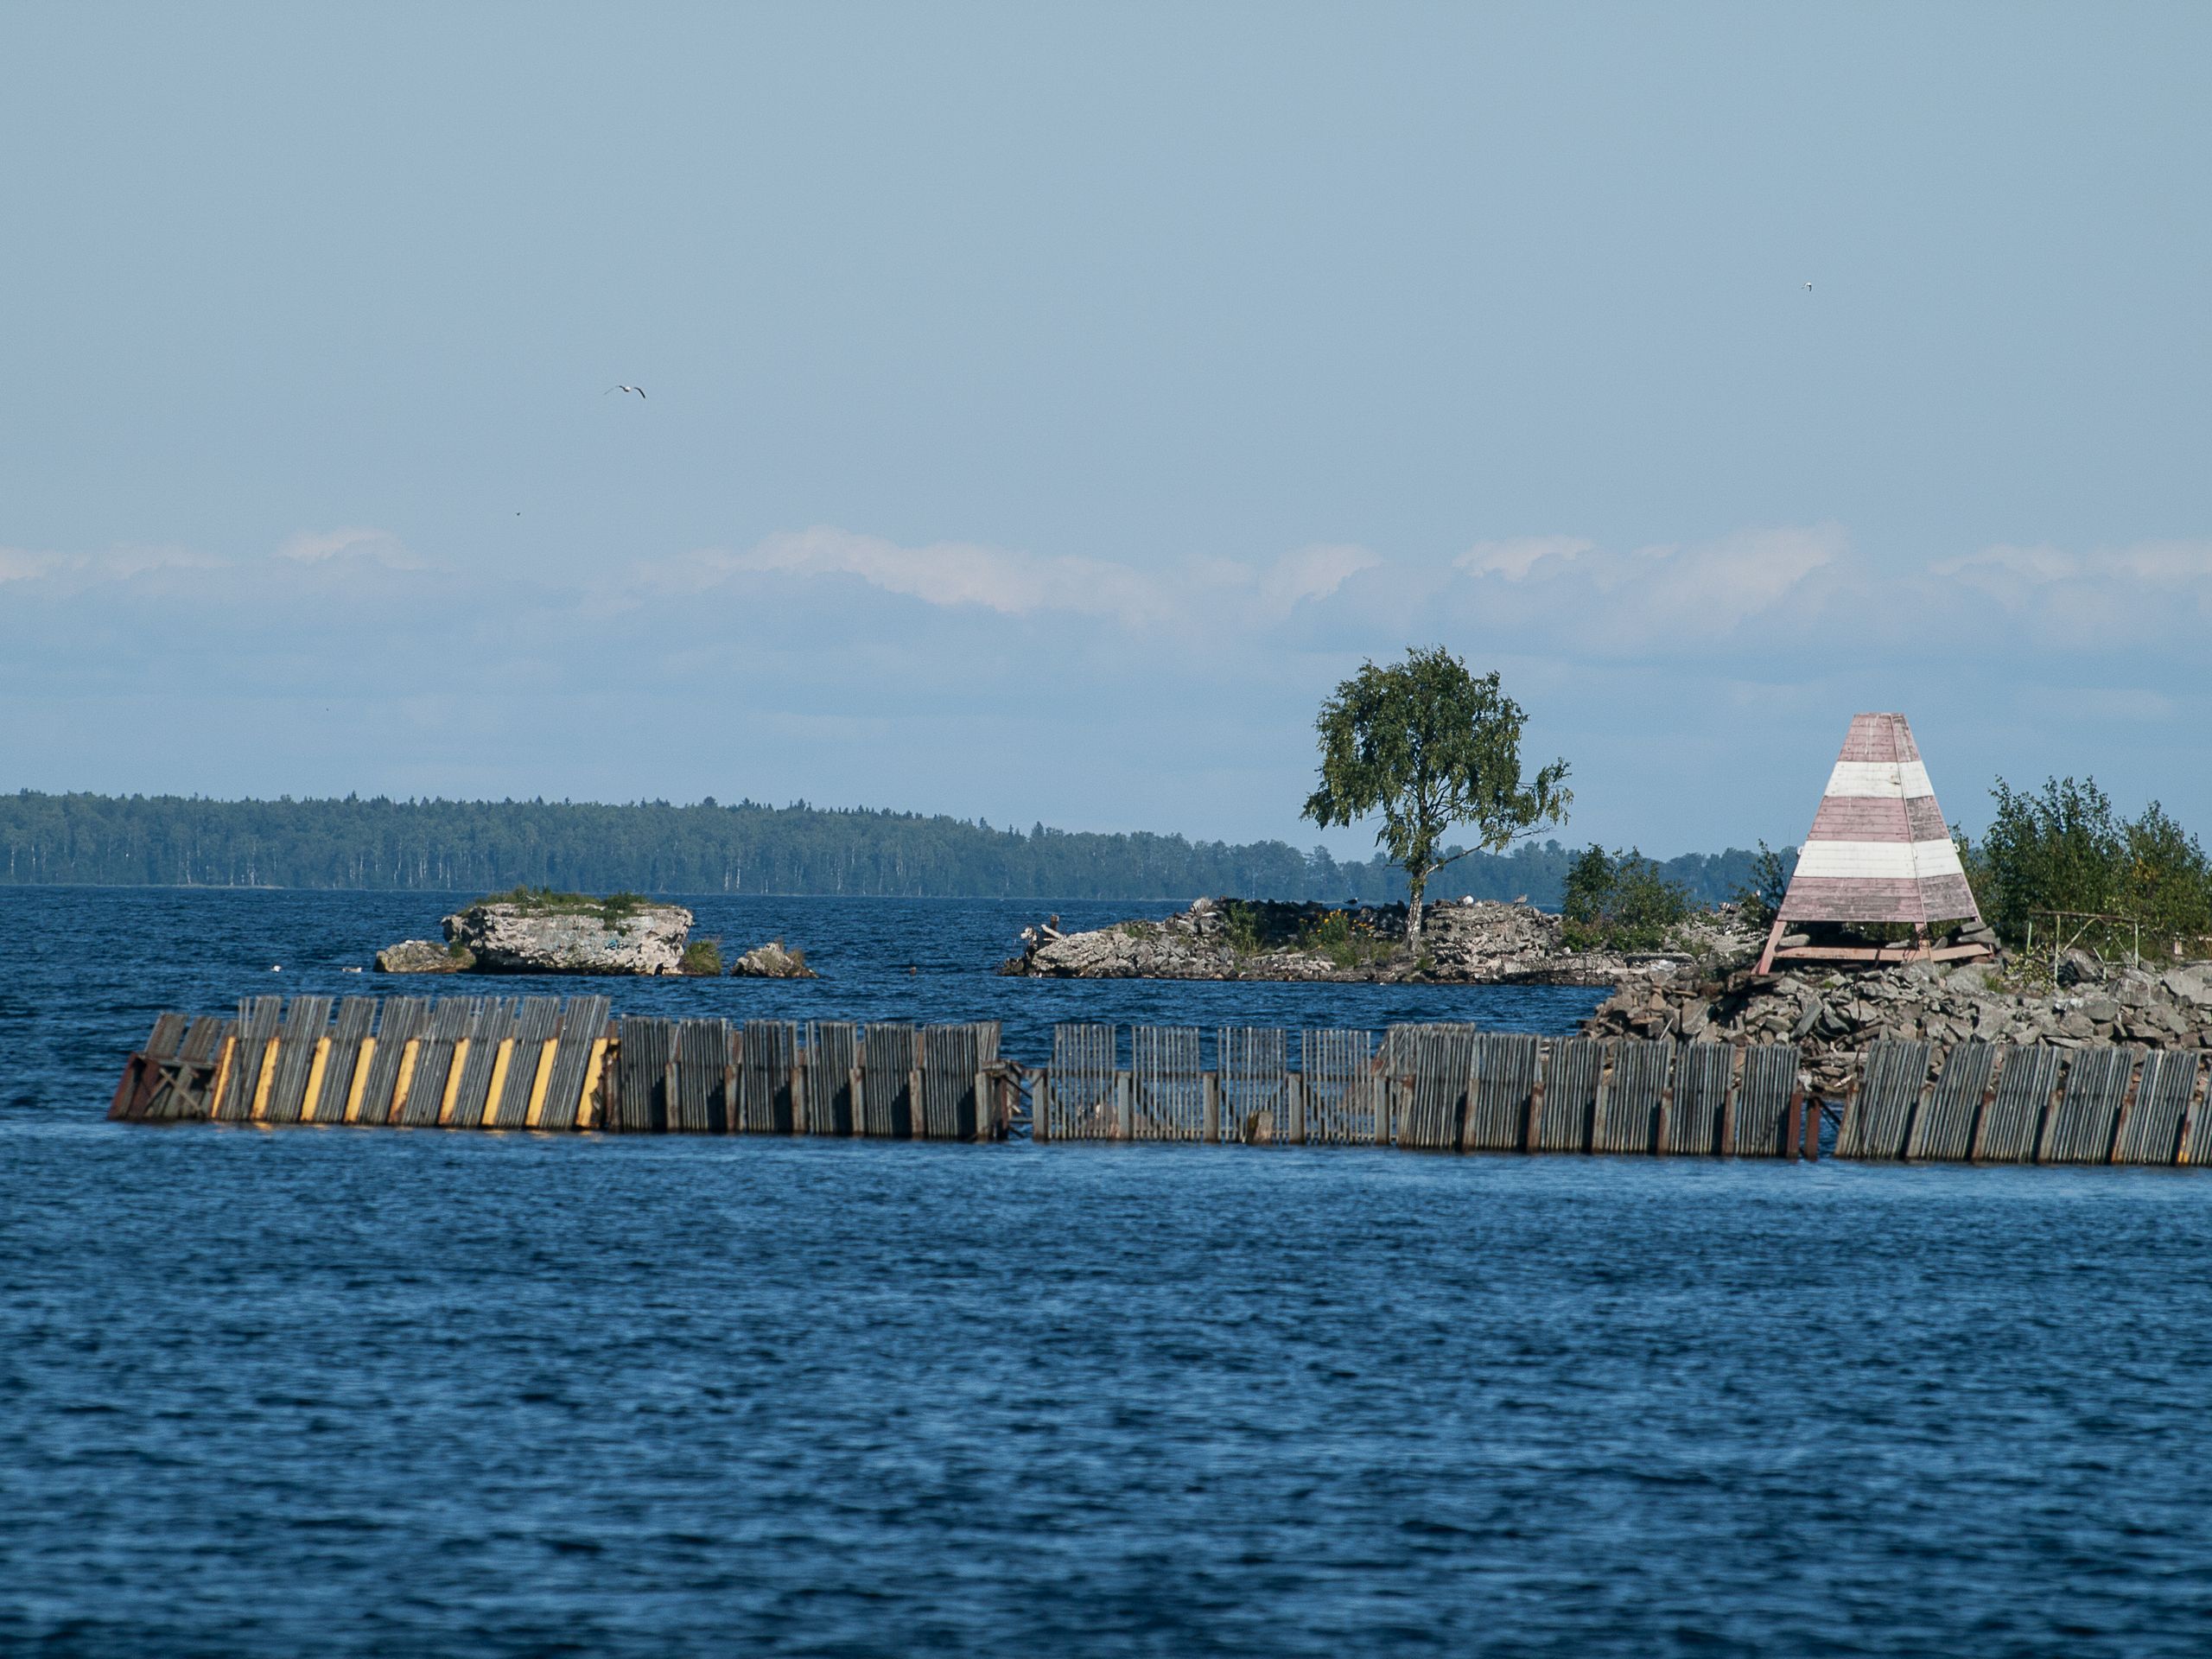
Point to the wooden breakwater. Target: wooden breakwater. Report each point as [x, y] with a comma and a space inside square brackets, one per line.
[1994, 1103]
[537, 1063]
[1453, 1087]
[1436, 1088]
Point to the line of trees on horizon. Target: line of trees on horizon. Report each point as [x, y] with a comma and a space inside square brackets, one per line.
[657, 847]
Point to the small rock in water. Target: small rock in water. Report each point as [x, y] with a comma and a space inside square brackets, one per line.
[422, 956]
[773, 961]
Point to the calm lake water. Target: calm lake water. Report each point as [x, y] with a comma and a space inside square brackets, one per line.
[367, 1391]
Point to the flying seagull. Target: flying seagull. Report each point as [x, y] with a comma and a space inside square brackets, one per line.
[1809, 289]
[640, 391]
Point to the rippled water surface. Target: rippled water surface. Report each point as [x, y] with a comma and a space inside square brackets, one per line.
[372, 1391]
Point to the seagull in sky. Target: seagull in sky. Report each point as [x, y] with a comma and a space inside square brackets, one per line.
[1809, 289]
[640, 391]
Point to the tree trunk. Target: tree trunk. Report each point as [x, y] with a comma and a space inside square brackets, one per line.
[1415, 886]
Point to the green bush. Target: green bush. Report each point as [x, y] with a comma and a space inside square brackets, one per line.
[1246, 926]
[2065, 848]
[1344, 940]
[1981, 881]
[702, 959]
[1760, 897]
[1620, 901]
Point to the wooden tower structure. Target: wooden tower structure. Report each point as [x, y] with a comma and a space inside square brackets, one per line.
[1878, 853]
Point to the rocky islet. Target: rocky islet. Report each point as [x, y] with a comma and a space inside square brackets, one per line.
[1465, 943]
[565, 934]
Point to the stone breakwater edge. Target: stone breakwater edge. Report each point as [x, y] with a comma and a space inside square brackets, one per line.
[1702, 989]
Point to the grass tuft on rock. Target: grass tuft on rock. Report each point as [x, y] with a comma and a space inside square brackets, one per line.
[702, 959]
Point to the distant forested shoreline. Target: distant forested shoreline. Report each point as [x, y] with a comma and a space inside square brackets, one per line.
[655, 847]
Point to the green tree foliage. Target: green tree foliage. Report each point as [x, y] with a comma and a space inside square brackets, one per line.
[2168, 883]
[1620, 901]
[1981, 881]
[1429, 747]
[467, 848]
[2065, 848]
[1761, 896]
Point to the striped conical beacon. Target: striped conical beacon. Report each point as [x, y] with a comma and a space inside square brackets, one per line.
[1879, 850]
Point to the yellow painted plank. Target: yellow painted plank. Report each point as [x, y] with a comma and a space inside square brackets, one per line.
[314, 1079]
[360, 1079]
[500, 1064]
[539, 1083]
[408, 1055]
[260, 1112]
[453, 1082]
[587, 1112]
[222, 1074]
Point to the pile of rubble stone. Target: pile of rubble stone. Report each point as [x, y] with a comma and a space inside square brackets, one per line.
[1833, 1017]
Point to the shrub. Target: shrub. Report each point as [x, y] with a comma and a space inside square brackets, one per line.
[1760, 897]
[1245, 923]
[1981, 881]
[2064, 849]
[2167, 886]
[1346, 940]
[702, 959]
[2059, 850]
[1620, 901]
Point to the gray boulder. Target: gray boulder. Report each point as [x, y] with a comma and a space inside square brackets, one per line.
[773, 961]
[423, 957]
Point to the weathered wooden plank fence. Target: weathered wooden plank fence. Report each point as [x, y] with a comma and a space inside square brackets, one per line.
[538, 1063]
[1432, 1088]
[1998, 1104]
[541, 1063]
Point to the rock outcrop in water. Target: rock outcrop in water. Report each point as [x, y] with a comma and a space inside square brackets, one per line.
[773, 961]
[1471, 944]
[612, 938]
[552, 933]
[423, 957]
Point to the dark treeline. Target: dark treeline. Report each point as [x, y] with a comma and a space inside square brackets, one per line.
[652, 846]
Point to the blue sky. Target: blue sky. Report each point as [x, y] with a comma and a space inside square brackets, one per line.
[1047, 406]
